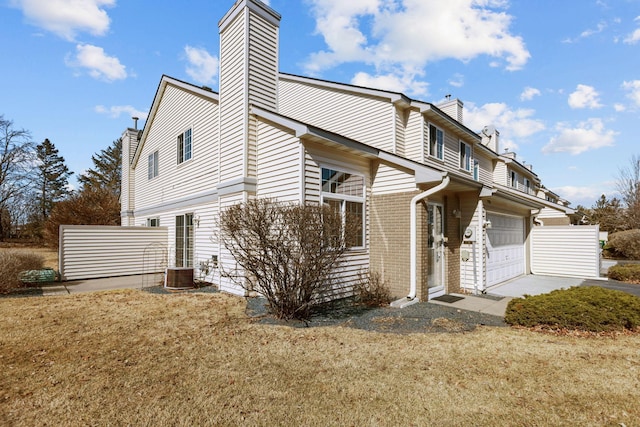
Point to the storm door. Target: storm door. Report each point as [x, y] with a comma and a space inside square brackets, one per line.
[435, 250]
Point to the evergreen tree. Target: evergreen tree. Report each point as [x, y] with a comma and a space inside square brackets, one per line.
[609, 214]
[106, 172]
[53, 178]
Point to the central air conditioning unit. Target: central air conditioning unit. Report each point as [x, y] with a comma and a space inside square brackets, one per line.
[178, 278]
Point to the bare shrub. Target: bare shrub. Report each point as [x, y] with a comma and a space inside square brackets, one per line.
[371, 290]
[91, 206]
[624, 244]
[288, 253]
[13, 262]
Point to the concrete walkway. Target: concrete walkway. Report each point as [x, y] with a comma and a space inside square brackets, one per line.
[480, 304]
[517, 288]
[103, 284]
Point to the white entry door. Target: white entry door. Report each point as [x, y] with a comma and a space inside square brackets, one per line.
[435, 250]
[504, 248]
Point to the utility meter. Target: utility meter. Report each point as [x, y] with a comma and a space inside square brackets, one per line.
[469, 235]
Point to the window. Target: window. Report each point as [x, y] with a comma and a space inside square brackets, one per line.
[476, 170]
[436, 142]
[184, 146]
[465, 156]
[527, 186]
[184, 240]
[153, 165]
[344, 192]
[153, 222]
[514, 180]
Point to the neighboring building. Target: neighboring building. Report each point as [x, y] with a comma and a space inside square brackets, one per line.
[441, 210]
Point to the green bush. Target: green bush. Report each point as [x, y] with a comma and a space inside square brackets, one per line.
[13, 262]
[371, 290]
[587, 308]
[624, 244]
[625, 273]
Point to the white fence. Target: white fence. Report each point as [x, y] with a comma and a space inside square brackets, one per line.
[94, 251]
[572, 251]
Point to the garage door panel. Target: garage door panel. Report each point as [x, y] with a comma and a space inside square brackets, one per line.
[505, 248]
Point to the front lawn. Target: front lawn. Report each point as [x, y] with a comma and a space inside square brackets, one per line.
[135, 358]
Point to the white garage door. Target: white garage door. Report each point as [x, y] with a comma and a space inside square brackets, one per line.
[505, 248]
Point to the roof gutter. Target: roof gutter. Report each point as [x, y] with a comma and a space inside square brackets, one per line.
[414, 232]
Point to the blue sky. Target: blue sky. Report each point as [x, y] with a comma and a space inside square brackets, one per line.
[559, 79]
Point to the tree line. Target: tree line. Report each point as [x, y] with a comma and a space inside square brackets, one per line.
[35, 195]
[618, 213]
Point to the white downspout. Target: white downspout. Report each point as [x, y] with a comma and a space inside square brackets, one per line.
[481, 248]
[414, 237]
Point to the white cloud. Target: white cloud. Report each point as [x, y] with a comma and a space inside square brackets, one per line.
[202, 66]
[117, 110]
[633, 91]
[398, 82]
[405, 35]
[588, 135]
[585, 196]
[66, 18]
[457, 80]
[529, 93]
[584, 97]
[634, 37]
[99, 65]
[619, 108]
[512, 124]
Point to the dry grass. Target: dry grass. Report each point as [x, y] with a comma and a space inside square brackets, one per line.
[50, 255]
[133, 358]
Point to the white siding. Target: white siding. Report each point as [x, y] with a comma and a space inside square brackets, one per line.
[550, 213]
[88, 251]
[178, 111]
[263, 62]
[401, 117]
[363, 118]
[279, 168]
[572, 251]
[500, 174]
[414, 137]
[451, 151]
[471, 271]
[233, 100]
[388, 180]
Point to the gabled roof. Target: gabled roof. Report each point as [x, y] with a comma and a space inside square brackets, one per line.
[164, 82]
[423, 174]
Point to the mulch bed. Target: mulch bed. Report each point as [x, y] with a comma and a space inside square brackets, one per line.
[418, 318]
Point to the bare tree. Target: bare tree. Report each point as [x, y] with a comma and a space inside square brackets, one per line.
[288, 253]
[92, 206]
[628, 184]
[16, 162]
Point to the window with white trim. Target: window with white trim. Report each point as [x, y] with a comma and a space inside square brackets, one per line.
[344, 192]
[153, 165]
[527, 186]
[184, 146]
[465, 156]
[476, 170]
[436, 142]
[153, 222]
[184, 240]
[514, 180]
